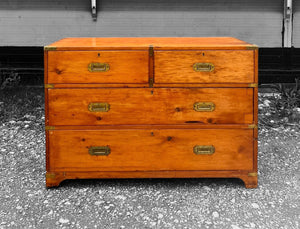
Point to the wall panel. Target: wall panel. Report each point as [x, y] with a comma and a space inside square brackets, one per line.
[296, 24]
[40, 22]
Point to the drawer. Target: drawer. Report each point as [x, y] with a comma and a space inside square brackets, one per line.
[98, 67]
[204, 66]
[149, 150]
[117, 106]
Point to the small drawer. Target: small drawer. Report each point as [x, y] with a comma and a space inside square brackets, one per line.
[204, 66]
[97, 67]
[121, 106]
[151, 150]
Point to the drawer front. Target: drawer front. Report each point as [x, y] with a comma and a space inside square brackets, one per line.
[98, 67]
[150, 106]
[165, 149]
[204, 66]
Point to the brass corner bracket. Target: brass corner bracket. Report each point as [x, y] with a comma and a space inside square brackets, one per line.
[49, 128]
[49, 48]
[252, 126]
[151, 50]
[252, 85]
[252, 174]
[49, 86]
[50, 175]
[151, 82]
[252, 47]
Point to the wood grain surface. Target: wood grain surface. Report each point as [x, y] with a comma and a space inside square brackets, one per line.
[159, 43]
[151, 132]
[230, 66]
[159, 85]
[150, 106]
[168, 149]
[72, 67]
[54, 178]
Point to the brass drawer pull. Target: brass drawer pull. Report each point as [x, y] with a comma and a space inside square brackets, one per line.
[99, 150]
[98, 67]
[99, 107]
[204, 150]
[203, 67]
[204, 106]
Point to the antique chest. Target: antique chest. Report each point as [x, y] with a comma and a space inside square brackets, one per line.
[151, 108]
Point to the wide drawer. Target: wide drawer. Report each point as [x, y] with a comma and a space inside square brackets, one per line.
[204, 66]
[98, 67]
[120, 106]
[147, 150]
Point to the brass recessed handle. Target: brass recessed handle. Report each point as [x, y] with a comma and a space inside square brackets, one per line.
[99, 107]
[98, 67]
[99, 150]
[204, 106]
[204, 150]
[203, 67]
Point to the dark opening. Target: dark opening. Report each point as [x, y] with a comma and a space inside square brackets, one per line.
[276, 65]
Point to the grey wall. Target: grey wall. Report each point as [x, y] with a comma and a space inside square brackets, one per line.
[40, 22]
[296, 24]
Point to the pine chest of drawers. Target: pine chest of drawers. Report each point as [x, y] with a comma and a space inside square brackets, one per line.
[151, 108]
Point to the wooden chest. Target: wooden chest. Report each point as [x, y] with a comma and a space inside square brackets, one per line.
[151, 108]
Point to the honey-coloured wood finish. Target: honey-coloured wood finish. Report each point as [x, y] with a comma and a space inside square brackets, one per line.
[151, 126]
[53, 179]
[160, 43]
[155, 150]
[229, 66]
[150, 106]
[72, 67]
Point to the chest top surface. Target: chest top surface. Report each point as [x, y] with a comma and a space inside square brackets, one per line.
[159, 43]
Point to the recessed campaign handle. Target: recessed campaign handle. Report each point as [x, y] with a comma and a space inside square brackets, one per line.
[99, 150]
[204, 106]
[98, 67]
[204, 150]
[203, 67]
[99, 107]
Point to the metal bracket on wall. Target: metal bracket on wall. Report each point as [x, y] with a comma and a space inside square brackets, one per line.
[288, 23]
[94, 10]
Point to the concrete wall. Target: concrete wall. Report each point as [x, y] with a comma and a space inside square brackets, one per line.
[40, 22]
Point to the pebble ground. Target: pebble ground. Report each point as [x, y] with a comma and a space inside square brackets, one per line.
[145, 203]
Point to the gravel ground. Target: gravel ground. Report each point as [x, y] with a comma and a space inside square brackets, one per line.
[144, 203]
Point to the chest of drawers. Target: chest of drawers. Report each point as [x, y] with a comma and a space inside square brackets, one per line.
[151, 108]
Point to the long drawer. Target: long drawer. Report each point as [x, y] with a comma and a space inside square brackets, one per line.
[149, 150]
[204, 66]
[98, 67]
[121, 106]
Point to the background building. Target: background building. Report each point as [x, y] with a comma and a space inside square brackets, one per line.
[274, 25]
